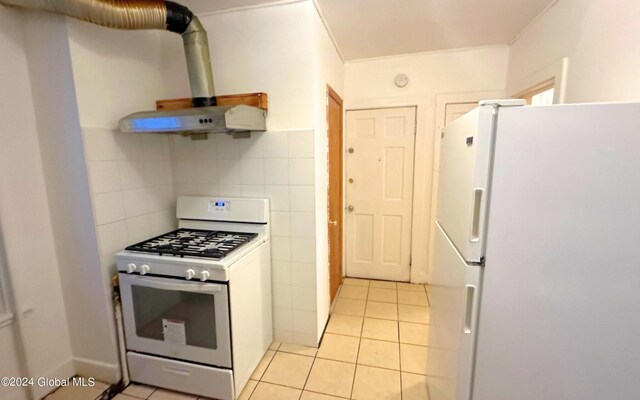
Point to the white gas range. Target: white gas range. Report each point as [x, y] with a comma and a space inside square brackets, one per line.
[197, 301]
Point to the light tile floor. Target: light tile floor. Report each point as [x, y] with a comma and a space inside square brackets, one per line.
[374, 348]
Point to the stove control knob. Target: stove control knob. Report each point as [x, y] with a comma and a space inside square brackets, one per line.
[204, 275]
[131, 268]
[144, 269]
[190, 273]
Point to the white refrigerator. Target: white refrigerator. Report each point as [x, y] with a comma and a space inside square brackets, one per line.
[536, 274]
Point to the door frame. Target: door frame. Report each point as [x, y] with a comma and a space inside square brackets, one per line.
[377, 105]
[331, 93]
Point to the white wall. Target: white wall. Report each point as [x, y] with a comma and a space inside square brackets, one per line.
[600, 39]
[370, 84]
[328, 69]
[265, 49]
[25, 217]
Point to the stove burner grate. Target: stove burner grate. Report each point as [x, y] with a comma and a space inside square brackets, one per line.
[194, 243]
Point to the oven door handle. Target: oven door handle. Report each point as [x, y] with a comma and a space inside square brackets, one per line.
[188, 287]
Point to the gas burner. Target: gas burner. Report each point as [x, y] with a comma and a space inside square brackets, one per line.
[194, 243]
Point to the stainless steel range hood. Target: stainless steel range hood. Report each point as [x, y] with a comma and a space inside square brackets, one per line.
[216, 119]
[204, 116]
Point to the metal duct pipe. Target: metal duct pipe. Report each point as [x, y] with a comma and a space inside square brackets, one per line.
[144, 14]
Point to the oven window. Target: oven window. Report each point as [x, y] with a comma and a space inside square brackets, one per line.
[177, 317]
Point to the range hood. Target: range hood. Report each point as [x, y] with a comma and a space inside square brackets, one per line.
[204, 116]
[217, 119]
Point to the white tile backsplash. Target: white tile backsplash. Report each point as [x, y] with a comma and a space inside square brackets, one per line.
[135, 180]
[301, 144]
[131, 174]
[303, 224]
[104, 176]
[135, 202]
[280, 248]
[280, 223]
[138, 228]
[131, 178]
[282, 295]
[278, 196]
[252, 171]
[302, 198]
[276, 171]
[109, 207]
[301, 171]
[276, 145]
[303, 249]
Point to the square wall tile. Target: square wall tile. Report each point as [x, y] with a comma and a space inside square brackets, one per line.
[303, 249]
[252, 171]
[226, 147]
[301, 144]
[278, 196]
[276, 145]
[304, 298]
[282, 320]
[303, 224]
[138, 229]
[282, 295]
[109, 207]
[301, 171]
[104, 176]
[252, 147]
[280, 223]
[276, 171]
[302, 198]
[112, 237]
[132, 174]
[281, 272]
[280, 248]
[305, 321]
[229, 171]
[135, 202]
[303, 274]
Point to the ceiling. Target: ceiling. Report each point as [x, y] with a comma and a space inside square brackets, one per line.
[378, 28]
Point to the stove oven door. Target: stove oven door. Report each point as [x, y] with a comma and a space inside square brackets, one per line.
[178, 319]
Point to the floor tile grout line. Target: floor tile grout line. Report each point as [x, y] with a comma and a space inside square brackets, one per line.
[355, 369]
[399, 351]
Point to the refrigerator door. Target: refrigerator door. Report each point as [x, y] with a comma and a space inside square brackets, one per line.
[454, 304]
[464, 168]
[559, 313]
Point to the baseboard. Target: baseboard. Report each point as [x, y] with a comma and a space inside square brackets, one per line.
[101, 371]
[62, 371]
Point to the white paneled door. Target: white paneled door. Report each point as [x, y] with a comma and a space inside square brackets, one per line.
[379, 192]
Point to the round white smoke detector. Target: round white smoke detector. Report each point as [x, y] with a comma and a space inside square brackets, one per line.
[401, 80]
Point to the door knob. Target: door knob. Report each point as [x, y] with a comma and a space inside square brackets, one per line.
[333, 223]
[350, 208]
[350, 180]
[350, 150]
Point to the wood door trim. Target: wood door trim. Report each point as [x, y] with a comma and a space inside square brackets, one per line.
[335, 277]
[332, 93]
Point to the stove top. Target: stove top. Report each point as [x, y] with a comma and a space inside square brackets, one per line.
[194, 243]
